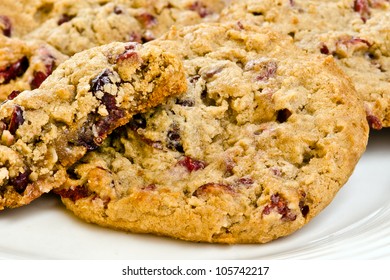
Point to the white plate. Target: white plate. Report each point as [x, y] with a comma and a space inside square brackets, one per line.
[356, 225]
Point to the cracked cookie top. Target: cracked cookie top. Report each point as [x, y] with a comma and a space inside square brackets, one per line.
[260, 143]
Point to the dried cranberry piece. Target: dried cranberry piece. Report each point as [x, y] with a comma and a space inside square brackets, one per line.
[98, 83]
[185, 102]
[17, 119]
[363, 8]
[21, 181]
[213, 189]
[129, 55]
[137, 121]
[193, 79]
[283, 115]
[14, 70]
[151, 187]
[174, 138]
[245, 181]
[75, 194]
[13, 94]
[147, 20]
[38, 76]
[211, 73]
[324, 49]
[92, 133]
[268, 72]
[374, 122]
[118, 10]
[192, 164]
[6, 25]
[64, 18]
[200, 8]
[302, 205]
[279, 205]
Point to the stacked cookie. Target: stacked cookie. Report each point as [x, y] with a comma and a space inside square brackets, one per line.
[222, 121]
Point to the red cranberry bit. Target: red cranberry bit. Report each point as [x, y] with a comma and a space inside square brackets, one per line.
[147, 20]
[174, 139]
[98, 83]
[93, 131]
[292, 3]
[363, 8]
[211, 73]
[240, 25]
[14, 70]
[280, 205]
[192, 164]
[193, 79]
[138, 121]
[302, 205]
[17, 119]
[213, 189]
[6, 25]
[21, 181]
[64, 18]
[13, 94]
[245, 181]
[151, 187]
[324, 49]
[118, 10]
[200, 8]
[283, 115]
[266, 69]
[39, 77]
[128, 55]
[374, 122]
[75, 194]
[186, 102]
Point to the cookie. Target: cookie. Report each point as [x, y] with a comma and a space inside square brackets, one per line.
[260, 143]
[354, 32]
[138, 21]
[46, 130]
[24, 65]
[18, 18]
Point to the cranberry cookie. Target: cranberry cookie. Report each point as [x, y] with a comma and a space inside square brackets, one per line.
[261, 142]
[121, 20]
[46, 130]
[24, 65]
[354, 32]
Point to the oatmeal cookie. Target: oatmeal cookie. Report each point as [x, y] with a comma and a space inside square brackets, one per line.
[121, 20]
[24, 65]
[46, 130]
[260, 143]
[355, 32]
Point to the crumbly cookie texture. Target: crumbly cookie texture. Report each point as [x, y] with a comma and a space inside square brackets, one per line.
[46, 130]
[24, 65]
[74, 30]
[18, 18]
[260, 143]
[355, 32]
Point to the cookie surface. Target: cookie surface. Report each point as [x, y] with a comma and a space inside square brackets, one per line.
[354, 32]
[48, 129]
[261, 142]
[74, 30]
[25, 64]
